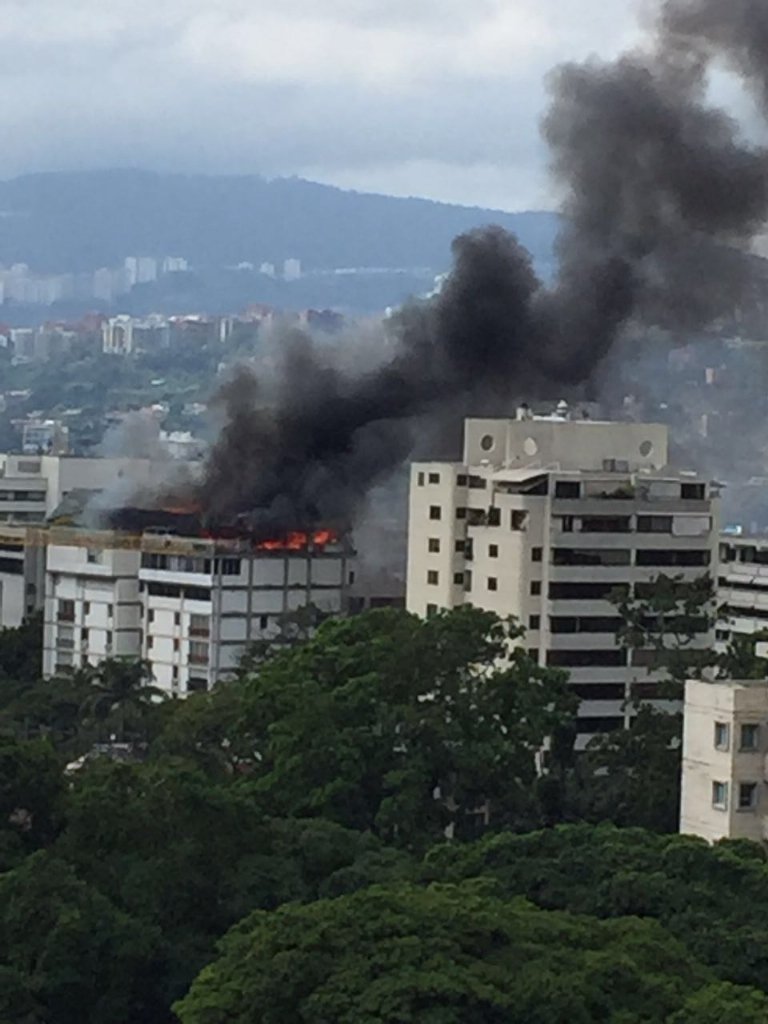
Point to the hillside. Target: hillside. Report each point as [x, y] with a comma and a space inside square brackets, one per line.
[63, 222]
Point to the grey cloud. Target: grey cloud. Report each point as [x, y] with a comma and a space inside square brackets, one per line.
[134, 84]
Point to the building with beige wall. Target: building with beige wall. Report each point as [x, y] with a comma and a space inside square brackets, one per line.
[725, 743]
[543, 519]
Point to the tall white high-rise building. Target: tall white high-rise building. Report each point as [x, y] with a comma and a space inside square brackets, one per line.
[547, 519]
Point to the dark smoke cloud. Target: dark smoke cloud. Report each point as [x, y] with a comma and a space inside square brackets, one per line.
[662, 196]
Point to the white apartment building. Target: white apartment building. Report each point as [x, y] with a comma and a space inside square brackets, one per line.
[544, 519]
[725, 743]
[22, 576]
[117, 335]
[188, 606]
[742, 587]
[32, 486]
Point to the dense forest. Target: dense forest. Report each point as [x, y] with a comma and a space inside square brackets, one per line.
[356, 829]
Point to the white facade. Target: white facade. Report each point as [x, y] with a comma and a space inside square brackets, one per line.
[543, 520]
[742, 591]
[725, 742]
[32, 486]
[187, 606]
[117, 335]
[22, 576]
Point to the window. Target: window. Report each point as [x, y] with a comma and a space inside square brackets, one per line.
[692, 492]
[567, 489]
[93, 555]
[434, 478]
[351, 577]
[177, 618]
[534, 622]
[461, 480]
[668, 556]
[175, 673]
[585, 624]
[458, 579]
[722, 736]
[601, 658]
[518, 520]
[86, 607]
[150, 642]
[433, 577]
[478, 482]
[493, 550]
[494, 517]
[420, 479]
[150, 615]
[197, 685]
[720, 795]
[108, 645]
[66, 612]
[599, 725]
[460, 547]
[435, 512]
[654, 524]
[493, 583]
[535, 588]
[431, 610]
[747, 796]
[461, 513]
[84, 636]
[591, 556]
[585, 591]
[176, 644]
[536, 554]
[433, 545]
[199, 625]
[263, 621]
[750, 737]
[230, 567]
[110, 610]
[198, 652]
[606, 524]
[599, 691]
[566, 524]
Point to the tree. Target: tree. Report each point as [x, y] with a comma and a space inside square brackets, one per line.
[403, 726]
[664, 617]
[70, 955]
[120, 696]
[21, 653]
[190, 854]
[31, 788]
[712, 899]
[723, 1003]
[444, 955]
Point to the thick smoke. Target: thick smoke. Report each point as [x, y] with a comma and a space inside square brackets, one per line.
[661, 197]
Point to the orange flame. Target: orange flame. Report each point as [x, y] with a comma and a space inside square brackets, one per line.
[298, 541]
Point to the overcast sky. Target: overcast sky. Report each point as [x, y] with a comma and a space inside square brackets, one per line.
[439, 98]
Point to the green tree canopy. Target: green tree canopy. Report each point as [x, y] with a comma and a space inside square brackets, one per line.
[443, 955]
[389, 723]
[68, 954]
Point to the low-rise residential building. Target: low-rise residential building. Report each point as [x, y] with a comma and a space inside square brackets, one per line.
[547, 519]
[725, 743]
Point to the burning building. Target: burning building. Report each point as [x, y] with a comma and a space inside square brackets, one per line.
[187, 602]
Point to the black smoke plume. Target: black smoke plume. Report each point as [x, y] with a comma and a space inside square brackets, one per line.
[661, 197]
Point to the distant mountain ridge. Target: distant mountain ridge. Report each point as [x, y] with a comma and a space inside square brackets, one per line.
[79, 221]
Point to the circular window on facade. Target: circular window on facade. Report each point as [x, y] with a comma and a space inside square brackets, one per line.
[529, 446]
[646, 448]
[487, 442]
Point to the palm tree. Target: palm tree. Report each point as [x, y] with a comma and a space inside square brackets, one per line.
[121, 693]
